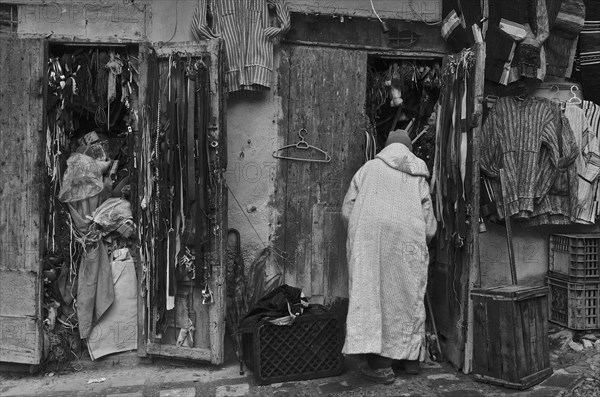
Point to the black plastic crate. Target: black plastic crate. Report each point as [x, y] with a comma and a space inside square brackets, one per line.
[574, 305]
[309, 348]
[574, 257]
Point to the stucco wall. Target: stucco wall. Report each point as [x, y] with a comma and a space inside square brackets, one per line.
[252, 121]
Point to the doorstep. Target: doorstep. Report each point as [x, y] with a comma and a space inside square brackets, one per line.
[123, 359]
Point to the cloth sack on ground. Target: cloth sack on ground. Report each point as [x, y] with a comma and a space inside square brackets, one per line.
[116, 330]
[283, 301]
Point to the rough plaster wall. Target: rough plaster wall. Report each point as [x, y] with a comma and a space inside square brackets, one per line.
[414, 10]
[153, 20]
[530, 246]
[252, 136]
[170, 20]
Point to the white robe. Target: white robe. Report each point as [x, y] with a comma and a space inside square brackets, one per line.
[390, 220]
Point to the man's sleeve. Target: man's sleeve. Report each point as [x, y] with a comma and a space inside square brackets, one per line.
[350, 197]
[428, 214]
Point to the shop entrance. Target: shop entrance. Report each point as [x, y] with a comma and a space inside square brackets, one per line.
[402, 94]
[94, 142]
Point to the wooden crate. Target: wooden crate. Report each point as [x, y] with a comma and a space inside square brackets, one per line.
[510, 336]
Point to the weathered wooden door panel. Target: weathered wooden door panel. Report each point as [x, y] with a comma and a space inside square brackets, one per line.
[323, 91]
[208, 336]
[22, 137]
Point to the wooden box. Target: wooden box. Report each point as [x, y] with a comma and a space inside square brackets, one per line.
[510, 336]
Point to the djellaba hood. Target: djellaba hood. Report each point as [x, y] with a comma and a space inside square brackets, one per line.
[399, 157]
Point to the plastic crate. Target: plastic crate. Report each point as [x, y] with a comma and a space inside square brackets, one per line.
[309, 348]
[574, 305]
[574, 257]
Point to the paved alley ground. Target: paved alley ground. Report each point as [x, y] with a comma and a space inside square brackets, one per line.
[576, 374]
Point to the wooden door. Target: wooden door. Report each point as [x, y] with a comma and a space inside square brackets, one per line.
[456, 268]
[22, 140]
[323, 91]
[166, 310]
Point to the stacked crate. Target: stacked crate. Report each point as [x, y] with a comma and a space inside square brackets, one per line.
[574, 280]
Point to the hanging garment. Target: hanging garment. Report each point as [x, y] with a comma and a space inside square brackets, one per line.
[500, 50]
[509, 25]
[558, 206]
[587, 65]
[95, 288]
[563, 32]
[512, 138]
[459, 18]
[530, 57]
[589, 182]
[587, 171]
[390, 219]
[95, 292]
[116, 330]
[246, 30]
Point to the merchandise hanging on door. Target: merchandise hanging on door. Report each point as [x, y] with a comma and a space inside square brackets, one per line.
[451, 170]
[92, 113]
[176, 200]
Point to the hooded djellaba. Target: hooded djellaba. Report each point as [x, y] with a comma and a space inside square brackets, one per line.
[390, 220]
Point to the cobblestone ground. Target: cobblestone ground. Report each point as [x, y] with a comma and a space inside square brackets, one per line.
[575, 363]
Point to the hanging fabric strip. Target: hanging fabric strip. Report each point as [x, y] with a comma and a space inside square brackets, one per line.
[463, 136]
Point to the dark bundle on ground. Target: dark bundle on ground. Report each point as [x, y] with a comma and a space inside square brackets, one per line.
[64, 348]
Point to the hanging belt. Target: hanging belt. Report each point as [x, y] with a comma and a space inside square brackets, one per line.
[201, 151]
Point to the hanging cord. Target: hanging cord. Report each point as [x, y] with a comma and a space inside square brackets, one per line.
[420, 15]
[176, 21]
[384, 26]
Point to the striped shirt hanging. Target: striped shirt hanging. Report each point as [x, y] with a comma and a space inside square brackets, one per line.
[245, 26]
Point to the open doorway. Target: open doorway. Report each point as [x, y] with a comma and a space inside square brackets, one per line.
[402, 94]
[90, 289]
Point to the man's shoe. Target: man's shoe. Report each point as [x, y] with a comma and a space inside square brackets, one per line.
[384, 376]
[411, 367]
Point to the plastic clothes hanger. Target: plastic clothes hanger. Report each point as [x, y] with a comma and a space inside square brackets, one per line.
[574, 99]
[303, 145]
[555, 90]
